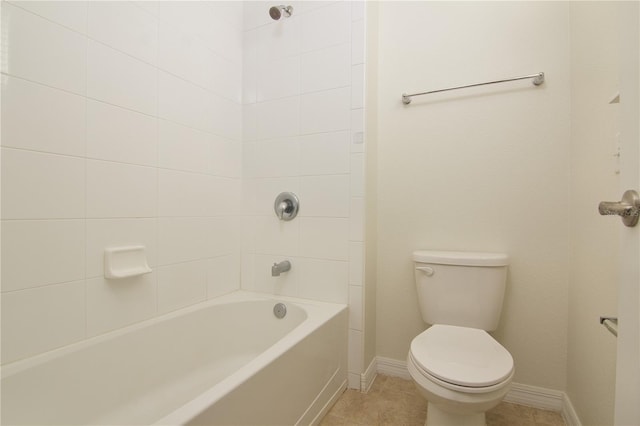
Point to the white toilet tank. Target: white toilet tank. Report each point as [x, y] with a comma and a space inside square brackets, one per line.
[461, 288]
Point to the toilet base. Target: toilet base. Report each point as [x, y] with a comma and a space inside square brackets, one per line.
[438, 417]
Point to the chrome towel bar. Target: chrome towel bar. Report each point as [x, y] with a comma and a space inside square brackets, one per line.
[611, 324]
[538, 79]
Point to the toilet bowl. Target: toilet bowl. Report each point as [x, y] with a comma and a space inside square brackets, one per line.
[462, 372]
[456, 365]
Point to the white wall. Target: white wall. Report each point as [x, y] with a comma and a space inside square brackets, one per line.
[593, 260]
[482, 169]
[121, 125]
[303, 97]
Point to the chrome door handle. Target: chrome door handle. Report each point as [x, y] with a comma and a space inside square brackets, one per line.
[628, 208]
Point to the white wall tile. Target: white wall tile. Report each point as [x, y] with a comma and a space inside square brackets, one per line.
[316, 34]
[226, 158]
[183, 239]
[324, 153]
[121, 190]
[103, 233]
[223, 275]
[356, 219]
[222, 33]
[184, 148]
[122, 135]
[357, 86]
[229, 12]
[325, 196]
[191, 17]
[358, 42]
[324, 238]
[184, 103]
[40, 252]
[41, 118]
[325, 69]
[357, 130]
[277, 119]
[355, 351]
[354, 380]
[226, 117]
[302, 7]
[149, 6]
[358, 9]
[255, 14]
[250, 67]
[325, 280]
[272, 158]
[355, 307]
[71, 14]
[247, 271]
[57, 55]
[278, 39]
[356, 263]
[113, 304]
[227, 79]
[41, 186]
[181, 285]
[357, 175]
[121, 80]
[250, 117]
[41, 319]
[279, 78]
[184, 194]
[185, 55]
[223, 236]
[228, 195]
[326, 111]
[275, 237]
[124, 26]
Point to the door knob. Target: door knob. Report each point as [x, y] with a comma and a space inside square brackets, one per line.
[628, 208]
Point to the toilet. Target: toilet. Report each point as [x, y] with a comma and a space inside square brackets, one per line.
[456, 365]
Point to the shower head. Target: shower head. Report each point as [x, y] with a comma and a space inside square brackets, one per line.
[277, 12]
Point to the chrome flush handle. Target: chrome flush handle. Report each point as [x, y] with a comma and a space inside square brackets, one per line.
[628, 208]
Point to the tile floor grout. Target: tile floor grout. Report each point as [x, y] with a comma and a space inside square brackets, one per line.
[392, 401]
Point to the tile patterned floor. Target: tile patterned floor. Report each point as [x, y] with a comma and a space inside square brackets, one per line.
[395, 402]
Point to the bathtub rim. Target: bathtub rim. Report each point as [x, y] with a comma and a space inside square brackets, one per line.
[309, 306]
[321, 313]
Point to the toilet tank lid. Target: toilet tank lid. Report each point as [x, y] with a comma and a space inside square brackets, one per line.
[463, 258]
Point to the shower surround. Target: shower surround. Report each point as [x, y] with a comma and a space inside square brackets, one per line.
[175, 125]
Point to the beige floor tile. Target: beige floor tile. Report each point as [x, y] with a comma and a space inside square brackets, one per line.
[392, 401]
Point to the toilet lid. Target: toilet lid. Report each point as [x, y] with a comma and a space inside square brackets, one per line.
[462, 356]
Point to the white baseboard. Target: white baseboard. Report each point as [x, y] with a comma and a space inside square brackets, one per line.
[392, 367]
[569, 413]
[532, 396]
[367, 378]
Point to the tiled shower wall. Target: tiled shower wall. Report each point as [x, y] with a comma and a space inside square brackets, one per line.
[121, 124]
[303, 90]
[124, 124]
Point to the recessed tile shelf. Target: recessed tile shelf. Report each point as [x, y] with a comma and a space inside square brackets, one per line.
[125, 262]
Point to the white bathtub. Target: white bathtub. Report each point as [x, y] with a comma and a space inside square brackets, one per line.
[226, 361]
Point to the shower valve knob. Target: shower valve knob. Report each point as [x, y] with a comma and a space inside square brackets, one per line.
[286, 206]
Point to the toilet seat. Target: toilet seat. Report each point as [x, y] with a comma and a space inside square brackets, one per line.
[461, 358]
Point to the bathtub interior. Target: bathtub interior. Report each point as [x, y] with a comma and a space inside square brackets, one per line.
[139, 374]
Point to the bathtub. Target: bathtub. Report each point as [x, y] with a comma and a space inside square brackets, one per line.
[222, 362]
